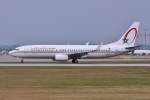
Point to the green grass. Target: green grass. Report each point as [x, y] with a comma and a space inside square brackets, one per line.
[105, 83]
[71, 77]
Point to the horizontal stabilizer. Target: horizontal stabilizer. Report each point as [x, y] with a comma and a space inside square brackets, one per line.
[134, 48]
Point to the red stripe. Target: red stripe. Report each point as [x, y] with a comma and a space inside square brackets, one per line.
[127, 33]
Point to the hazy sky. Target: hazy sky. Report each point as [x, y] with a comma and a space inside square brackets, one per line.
[69, 21]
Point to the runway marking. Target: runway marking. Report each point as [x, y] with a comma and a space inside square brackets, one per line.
[71, 65]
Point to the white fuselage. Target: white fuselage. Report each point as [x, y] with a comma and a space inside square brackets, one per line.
[49, 51]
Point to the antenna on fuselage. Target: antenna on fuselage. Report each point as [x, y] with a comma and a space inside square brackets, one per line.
[87, 43]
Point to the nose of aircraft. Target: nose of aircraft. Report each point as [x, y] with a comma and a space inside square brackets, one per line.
[12, 53]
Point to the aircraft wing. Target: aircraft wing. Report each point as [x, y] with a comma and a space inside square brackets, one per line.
[77, 55]
[80, 54]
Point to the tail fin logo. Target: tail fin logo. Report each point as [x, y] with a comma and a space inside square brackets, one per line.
[132, 31]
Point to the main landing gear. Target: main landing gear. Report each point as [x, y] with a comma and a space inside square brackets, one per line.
[22, 61]
[74, 60]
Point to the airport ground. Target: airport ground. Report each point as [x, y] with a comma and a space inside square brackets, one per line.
[75, 83]
[117, 60]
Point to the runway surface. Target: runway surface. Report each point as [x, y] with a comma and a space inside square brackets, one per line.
[123, 61]
[69, 65]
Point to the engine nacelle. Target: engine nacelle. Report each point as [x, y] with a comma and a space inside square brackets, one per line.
[61, 57]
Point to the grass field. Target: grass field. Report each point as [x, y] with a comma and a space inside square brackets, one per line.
[104, 83]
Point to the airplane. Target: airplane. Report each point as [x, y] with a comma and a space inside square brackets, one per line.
[141, 52]
[124, 45]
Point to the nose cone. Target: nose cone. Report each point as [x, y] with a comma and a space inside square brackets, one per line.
[12, 53]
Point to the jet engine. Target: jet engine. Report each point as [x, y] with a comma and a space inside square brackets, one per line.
[61, 57]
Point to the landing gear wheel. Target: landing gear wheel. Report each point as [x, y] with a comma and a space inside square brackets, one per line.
[74, 61]
[22, 61]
